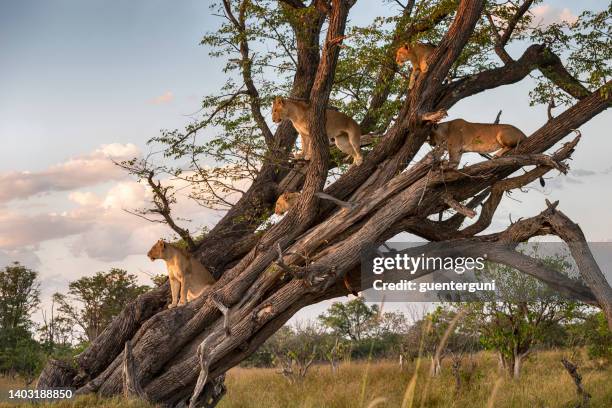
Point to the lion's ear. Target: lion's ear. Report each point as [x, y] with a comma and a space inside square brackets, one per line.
[280, 101]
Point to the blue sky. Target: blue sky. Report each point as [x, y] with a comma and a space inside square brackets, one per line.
[78, 73]
[84, 82]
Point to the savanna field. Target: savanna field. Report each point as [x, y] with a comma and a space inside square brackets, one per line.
[543, 383]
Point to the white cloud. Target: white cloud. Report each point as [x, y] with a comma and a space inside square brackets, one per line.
[85, 199]
[126, 195]
[99, 227]
[18, 230]
[96, 225]
[166, 97]
[78, 172]
[546, 14]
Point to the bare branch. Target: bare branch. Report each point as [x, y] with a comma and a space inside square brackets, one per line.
[163, 203]
[502, 39]
[535, 57]
[520, 12]
[457, 206]
[571, 233]
[225, 311]
[246, 63]
[344, 204]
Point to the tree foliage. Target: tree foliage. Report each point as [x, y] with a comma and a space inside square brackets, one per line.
[19, 297]
[524, 316]
[92, 302]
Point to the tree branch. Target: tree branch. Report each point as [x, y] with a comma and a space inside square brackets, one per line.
[246, 63]
[535, 57]
[162, 202]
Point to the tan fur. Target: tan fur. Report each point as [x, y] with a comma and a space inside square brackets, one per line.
[285, 202]
[188, 277]
[417, 54]
[461, 136]
[340, 128]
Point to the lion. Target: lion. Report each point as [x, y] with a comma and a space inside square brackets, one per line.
[285, 201]
[188, 277]
[288, 199]
[461, 136]
[340, 128]
[417, 53]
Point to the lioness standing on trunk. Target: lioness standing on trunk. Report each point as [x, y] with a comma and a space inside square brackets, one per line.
[461, 136]
[340, 128]
[188, 277]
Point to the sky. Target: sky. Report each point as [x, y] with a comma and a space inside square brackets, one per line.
[88, 82]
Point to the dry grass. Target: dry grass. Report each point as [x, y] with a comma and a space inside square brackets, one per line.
[544, 383]
[381, 384]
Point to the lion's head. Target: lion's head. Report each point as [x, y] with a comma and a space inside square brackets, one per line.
[285, 202]
[278, 109]
[157, 251]
[403, 53]
[438, 135]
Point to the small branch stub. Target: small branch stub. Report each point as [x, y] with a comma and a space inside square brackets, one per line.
[224, 311]
[344, 204]
[348, 286]
[434, 117]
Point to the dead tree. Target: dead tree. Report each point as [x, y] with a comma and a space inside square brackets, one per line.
[182, 353]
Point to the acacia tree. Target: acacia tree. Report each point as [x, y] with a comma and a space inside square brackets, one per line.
[353, 320]
[19, 297]
[521, 318]
[268, 272]
[296, 348]
[93, 301]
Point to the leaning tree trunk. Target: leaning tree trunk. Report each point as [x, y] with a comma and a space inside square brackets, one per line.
[180, 355]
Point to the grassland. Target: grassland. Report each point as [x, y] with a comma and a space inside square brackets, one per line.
[381, 384]
[544, 383]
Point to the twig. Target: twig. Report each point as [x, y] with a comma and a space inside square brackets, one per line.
[457, 206]
[225, 311]
[348, 205]
[496, 121]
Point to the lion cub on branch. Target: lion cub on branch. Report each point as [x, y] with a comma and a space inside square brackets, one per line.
[285, 201]
[461, 136]
[188, 277]
[340, 128]
[418, 54]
